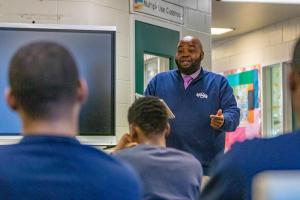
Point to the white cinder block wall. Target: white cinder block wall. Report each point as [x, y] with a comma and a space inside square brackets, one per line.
[270, 45]
[197, 22]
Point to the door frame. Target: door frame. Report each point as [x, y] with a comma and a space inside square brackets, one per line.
[153, 21]
[286, 99]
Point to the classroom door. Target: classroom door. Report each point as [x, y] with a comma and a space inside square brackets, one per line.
[155, 49]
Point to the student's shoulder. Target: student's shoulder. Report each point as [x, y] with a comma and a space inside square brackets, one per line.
[258, 145]
[100, 155]
[6, 151]
[245, 149]
[137, 152]
[185, 157]
[243, 153]
[111, 164]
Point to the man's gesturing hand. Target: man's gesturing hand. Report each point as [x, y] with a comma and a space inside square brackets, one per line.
[217, 121]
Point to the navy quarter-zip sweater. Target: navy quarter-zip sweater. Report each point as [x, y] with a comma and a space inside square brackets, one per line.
[191, 130]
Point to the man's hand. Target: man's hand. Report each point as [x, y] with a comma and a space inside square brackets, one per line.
[126, 141]
[217, 121]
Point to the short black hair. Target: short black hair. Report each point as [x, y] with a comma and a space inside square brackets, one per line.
[148, 113]
[296, 56]
[42, 76]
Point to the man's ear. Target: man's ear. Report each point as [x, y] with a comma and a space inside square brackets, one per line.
[293, 80]
[201, 55]
[82, 91]
[11, 100]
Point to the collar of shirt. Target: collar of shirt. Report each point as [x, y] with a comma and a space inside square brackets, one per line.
[194, 75]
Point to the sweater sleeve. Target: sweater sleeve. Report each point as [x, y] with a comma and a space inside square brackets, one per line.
[229, 107]
[151, 88]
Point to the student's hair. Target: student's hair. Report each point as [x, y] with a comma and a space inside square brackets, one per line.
[42, 76]
[150, 114]
[296, 56]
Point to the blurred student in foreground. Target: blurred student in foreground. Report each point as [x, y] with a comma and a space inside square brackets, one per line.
[232, 177]
[166, 173]
[49, 162]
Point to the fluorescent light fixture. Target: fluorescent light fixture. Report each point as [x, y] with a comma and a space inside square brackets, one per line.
[265, 1]
[220, 31]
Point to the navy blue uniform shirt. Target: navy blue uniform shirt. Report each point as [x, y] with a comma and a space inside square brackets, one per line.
[191, 130]
[232, 176]
[52, 167]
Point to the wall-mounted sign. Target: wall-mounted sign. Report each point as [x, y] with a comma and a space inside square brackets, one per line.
[159, 8]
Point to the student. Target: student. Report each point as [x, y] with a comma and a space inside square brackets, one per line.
[232, 177]
[49, 162]
[166, 173]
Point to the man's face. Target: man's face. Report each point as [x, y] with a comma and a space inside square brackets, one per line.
[188, 56]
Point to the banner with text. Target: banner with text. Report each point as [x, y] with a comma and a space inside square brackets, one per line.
[160, 8]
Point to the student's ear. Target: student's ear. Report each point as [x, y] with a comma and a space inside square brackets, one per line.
[82, 91]
[133, 132]
[11, 100]
[167, 130]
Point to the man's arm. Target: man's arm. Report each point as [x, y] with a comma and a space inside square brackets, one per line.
[229, 107]
[151, 88]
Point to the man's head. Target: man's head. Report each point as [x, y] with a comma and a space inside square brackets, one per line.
[44, 81]
[148, 116]
[189, 55]
[294, 78]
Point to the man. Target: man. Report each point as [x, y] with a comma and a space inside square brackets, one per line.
[166, 173]
[232, 177]
[49, 162]
[203, 104]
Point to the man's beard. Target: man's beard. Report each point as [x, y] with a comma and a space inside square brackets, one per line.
[195, 65]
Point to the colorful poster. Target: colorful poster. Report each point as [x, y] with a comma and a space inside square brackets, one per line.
[245, 83]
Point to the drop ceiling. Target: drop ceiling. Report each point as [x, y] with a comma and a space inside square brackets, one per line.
[247, 17]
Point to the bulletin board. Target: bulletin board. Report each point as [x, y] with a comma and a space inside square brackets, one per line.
[246, 83]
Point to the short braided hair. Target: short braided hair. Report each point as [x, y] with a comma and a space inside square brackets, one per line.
[150, 114]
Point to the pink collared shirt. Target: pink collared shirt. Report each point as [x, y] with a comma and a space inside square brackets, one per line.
[194, 75]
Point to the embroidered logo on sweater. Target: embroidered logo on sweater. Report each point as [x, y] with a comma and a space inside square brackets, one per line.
[201, 95]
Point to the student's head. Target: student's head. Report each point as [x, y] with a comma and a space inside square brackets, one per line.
[44, 82]
[294, 79]
[148, 119]
[189, 55]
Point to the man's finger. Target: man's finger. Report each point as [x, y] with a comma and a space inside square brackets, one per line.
[217, 117]
[219, 113]
[217, 120]
[215, 124]
[218, 124]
